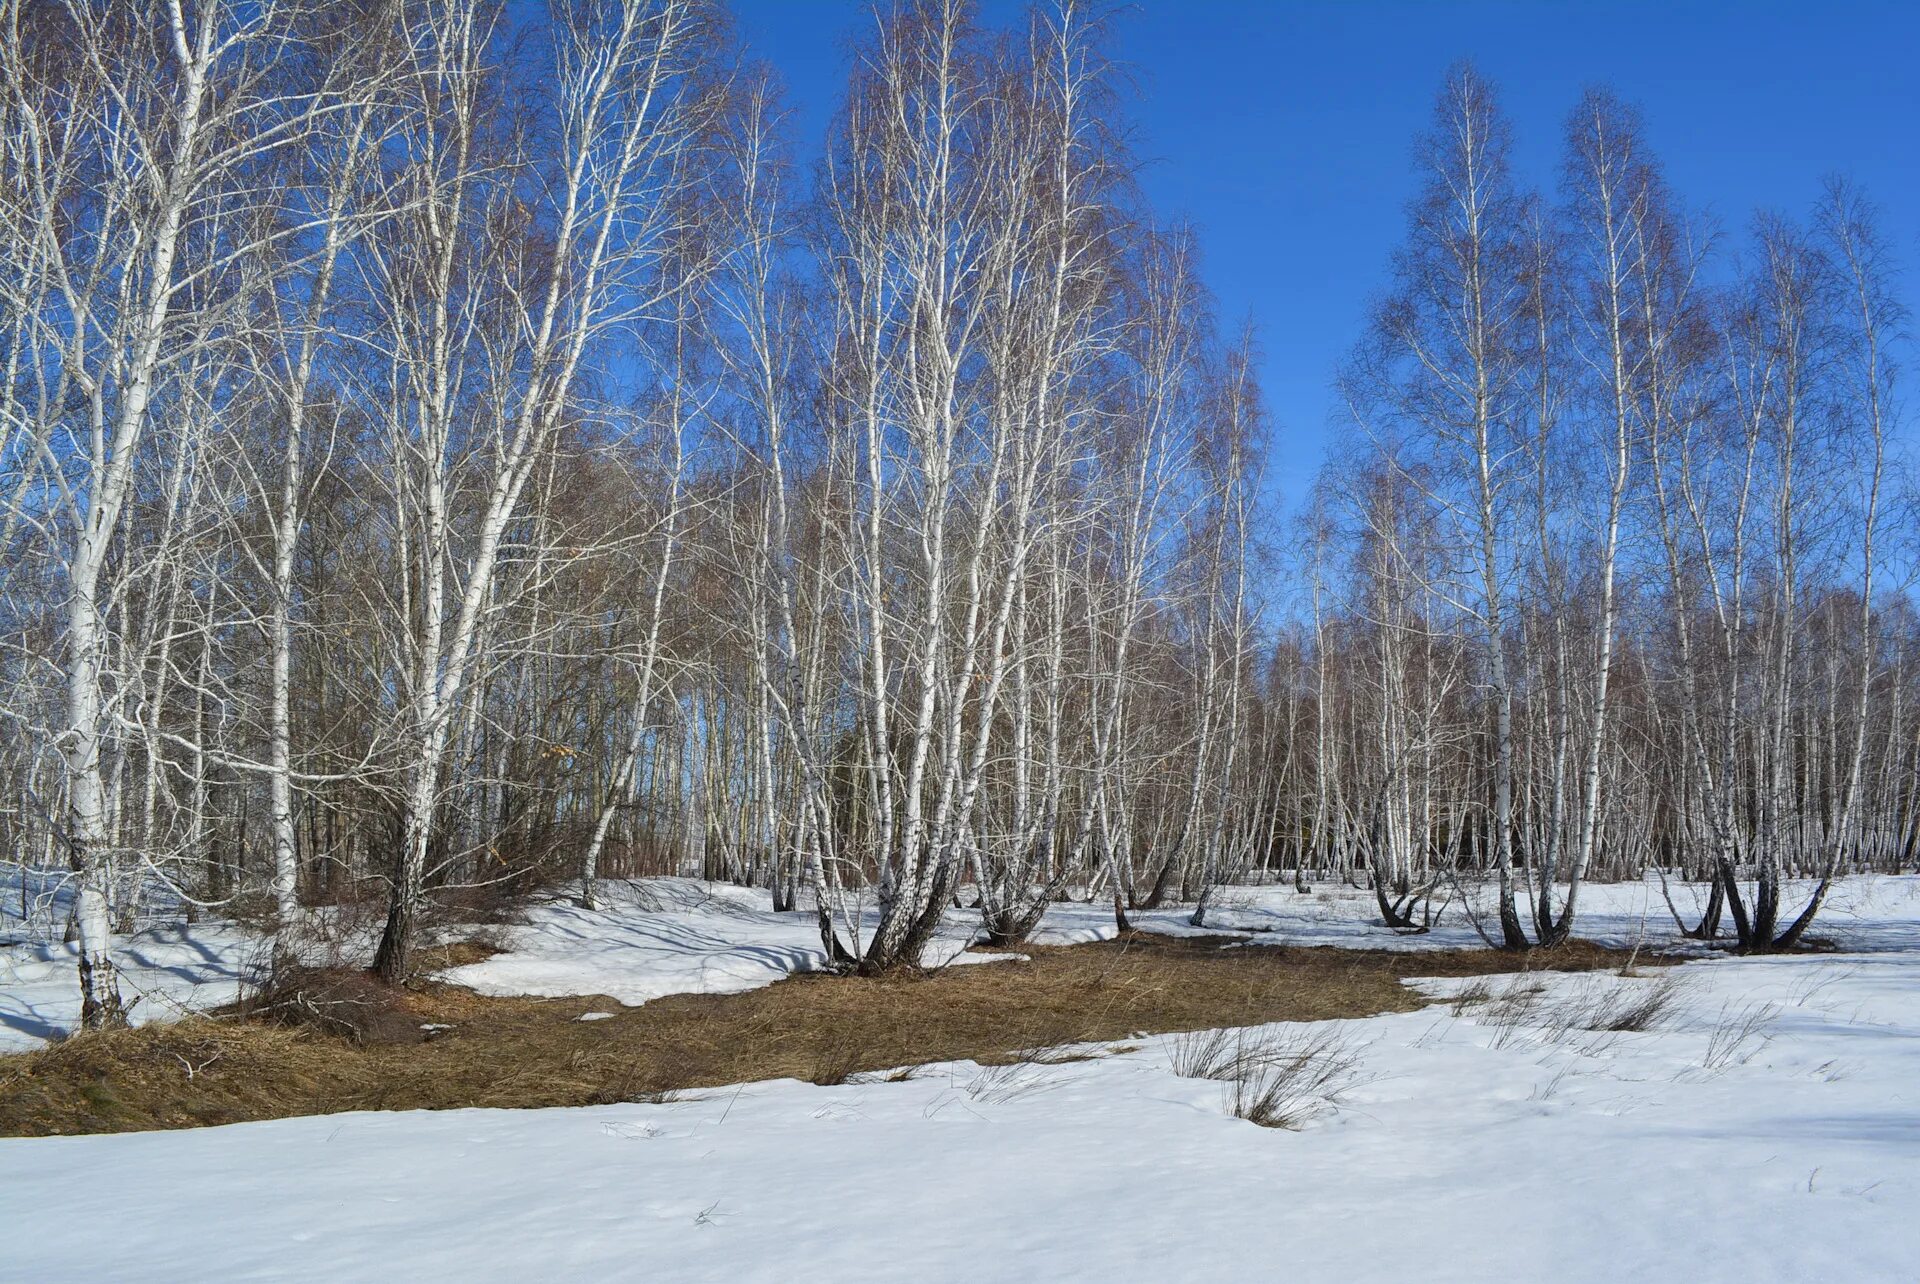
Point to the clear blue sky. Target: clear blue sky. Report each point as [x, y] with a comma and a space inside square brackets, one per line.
[1283, 130]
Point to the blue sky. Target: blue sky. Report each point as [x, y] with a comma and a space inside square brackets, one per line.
[1284, 131]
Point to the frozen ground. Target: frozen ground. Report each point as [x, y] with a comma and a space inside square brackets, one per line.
[1768, 1129]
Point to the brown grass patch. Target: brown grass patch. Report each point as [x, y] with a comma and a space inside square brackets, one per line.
[535, 1052]
[348, 1002]
[457, 954]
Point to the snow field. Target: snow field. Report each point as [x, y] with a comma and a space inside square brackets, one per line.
[1465, 1145]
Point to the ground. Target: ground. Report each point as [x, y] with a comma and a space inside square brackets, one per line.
[1752, 1119]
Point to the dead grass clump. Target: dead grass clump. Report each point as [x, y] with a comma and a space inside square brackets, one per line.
[835, 1063]
[344, 1002]
[996, 1085]
[1063, 1056]
[1737, 1036]
[1470, 995]
[1638, 1009]
[1207, 1054]
[1277, 1079]
[1599, 1005]
[1288, 1079]
[1512, 1008]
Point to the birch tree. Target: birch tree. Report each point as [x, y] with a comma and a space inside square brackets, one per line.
[138, 138]
[484, 328]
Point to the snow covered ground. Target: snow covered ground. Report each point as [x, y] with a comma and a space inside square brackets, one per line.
[1767, 1129]
[677, 936]
[1861, 914]
[665, 936]
[169, 970]
[168, 967]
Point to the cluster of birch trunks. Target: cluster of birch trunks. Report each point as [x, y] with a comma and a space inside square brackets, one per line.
[453, 448]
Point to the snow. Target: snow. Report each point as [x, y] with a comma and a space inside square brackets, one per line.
[1767, 1127]
[648, 940]
[665, 936]
[1867, 913]
[1463, 1150]
[170, 970]
[680, 936]
[168, 967]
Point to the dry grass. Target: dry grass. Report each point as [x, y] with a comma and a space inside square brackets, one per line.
[534, 1052]
[1292, 1078]
[1274, 1078]
[1636, 1010]
[1589, 1014]
[1737, 1036]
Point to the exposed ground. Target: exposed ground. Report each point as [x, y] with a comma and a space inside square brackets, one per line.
[443, 1047]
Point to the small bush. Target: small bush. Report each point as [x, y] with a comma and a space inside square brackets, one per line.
[1639, 1009]
[343, 1002]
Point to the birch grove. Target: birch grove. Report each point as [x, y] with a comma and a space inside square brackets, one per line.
[452, 449]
